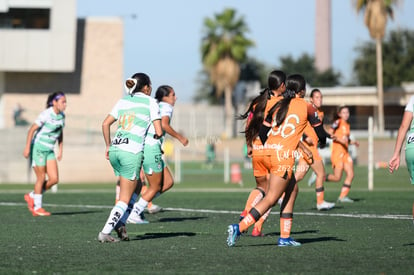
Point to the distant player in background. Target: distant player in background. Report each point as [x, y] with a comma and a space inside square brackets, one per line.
[40, 144]
[340, 157]
[135, 113]
[311, 140]
[407, 125]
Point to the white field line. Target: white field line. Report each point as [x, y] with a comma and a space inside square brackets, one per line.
[358, 216]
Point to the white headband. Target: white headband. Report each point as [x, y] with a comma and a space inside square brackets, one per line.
[130, 90]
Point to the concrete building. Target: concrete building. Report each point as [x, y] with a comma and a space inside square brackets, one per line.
[44, 47]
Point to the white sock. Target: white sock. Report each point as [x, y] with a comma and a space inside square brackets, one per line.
[116, 213]
[129, 209]
[140, 205]
[37, 201]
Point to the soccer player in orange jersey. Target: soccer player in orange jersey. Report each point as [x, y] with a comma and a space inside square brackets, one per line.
[255, 114]
[340, 158]
[274, 144]
[311, 140]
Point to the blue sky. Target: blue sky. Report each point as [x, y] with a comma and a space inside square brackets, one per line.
[163, 39]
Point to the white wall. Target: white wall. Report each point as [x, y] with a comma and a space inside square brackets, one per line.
[51, 50]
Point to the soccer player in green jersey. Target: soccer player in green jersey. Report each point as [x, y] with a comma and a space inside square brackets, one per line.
[40, 144]
[135, 113]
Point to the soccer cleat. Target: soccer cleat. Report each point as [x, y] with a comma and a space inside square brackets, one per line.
[40, 212]
[312, 179]
[154, 209]
[345, 199]
[233, 234]
[256, 232]
[287, 242]
[136, 218]
[325, 205]
[106, 238]
[30, 201]
[121, 232]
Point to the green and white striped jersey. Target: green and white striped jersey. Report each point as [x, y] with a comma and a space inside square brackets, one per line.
[51, 126]
[410, 135]
[134, 114]
[165, 110]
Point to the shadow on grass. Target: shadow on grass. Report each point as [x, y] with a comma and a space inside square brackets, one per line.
[74, 213]
[181, 219]
[408, 244]
[306, 241]
[149, 236]
[298, 232]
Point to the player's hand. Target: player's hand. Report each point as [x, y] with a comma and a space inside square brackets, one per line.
[393, 164]
[184, 141]
[107, 153]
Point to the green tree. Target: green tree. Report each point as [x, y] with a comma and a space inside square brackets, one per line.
[223, 47]
[376, 13]
[398, 62]
[305, 65]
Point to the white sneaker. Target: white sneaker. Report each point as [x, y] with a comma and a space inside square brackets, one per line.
[154, 209]
[345, 199]
[325, 205]
[312, 179]
[106, 238]
[136, 218]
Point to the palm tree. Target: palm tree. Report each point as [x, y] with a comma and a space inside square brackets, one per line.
[223, 48]
[376, 13]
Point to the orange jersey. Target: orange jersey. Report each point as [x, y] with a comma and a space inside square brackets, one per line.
[285, 137]
[309, 131]
[341, 131]
[258, 147]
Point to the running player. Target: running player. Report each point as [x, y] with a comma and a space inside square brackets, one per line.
[255, 114]
[280, 133]
[40, 144]
[135, 112]
[311, 140]
[156, 171]
[407, 125]
[340, 158]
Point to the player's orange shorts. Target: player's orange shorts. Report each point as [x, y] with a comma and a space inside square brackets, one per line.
[271, 164]
[340, 158]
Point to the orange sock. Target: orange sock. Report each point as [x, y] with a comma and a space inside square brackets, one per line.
[285, 227]
[259, 223]
[250, 219]
[320, 195]
[246, 222]
[254, 197]
[345, 190]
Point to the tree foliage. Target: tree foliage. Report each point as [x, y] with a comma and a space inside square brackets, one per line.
[305, 65]
[398, 60]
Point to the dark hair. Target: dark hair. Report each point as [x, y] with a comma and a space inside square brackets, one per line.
[142, 81]
[314, 91]
[162, 91]
[258, 104]
[53, 96]
[294, 84]
[338, 110]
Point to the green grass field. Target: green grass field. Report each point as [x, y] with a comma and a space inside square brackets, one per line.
[374, 235]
